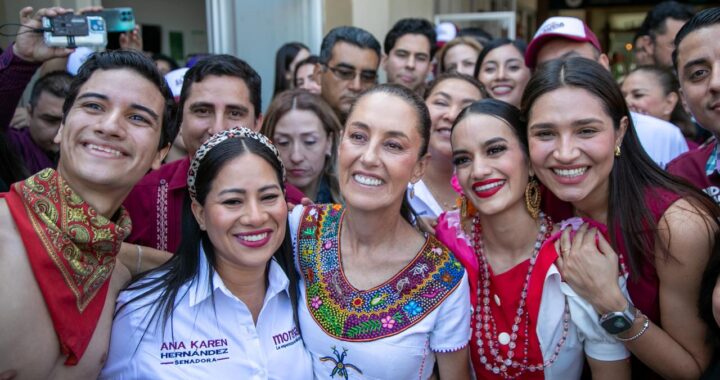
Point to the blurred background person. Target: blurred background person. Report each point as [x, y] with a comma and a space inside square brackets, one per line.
[501, 70]
[409, 49]
[164, 63]
[460, 54]
[285, 60]
[303, 76]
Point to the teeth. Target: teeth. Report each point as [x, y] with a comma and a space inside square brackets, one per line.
[570, 172]
[502, 89]
[489, 186]
[253, 238]
[369, 181]
[104, 149]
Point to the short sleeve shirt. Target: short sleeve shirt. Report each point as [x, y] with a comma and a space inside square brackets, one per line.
[364, 341]
[211, 335]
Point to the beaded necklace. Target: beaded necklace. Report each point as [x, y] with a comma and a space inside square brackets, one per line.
[486, 329]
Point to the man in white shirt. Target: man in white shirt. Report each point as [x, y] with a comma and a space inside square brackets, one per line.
[560, 37]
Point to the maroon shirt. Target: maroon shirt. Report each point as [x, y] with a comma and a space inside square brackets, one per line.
[15, 74]
[692, 166]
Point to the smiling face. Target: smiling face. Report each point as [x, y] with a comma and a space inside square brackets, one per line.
[490, 164]
[408, 63]
[572, 141]
[244, 214]
[304, 147]
[504, 74]
[110, 137]
[698, 63]
[378, 153]
[644, 94]
[445, 102]
[216, 104]
[461, 58]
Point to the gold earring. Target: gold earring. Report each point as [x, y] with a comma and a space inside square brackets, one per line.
[532, 197]
[412, 190]
[463, 206]
[617, 151]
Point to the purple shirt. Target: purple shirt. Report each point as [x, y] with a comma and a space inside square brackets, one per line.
[15, 74]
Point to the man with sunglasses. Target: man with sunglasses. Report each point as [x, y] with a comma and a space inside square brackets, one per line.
[349, 60]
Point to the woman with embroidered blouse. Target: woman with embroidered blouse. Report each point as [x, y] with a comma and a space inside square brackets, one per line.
[225, 305]
[378, 299]
[527, 323]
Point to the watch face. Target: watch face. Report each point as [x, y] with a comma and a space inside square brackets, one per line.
[616, 324]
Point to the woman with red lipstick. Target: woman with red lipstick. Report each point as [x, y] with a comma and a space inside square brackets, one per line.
[445, 97]
[527, 324]
[378, 299]
[305, 130]
[225, 305]
[584, 149]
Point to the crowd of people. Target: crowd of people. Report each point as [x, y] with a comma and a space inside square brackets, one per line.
[496, 210]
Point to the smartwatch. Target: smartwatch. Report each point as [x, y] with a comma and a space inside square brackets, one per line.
[617, 322]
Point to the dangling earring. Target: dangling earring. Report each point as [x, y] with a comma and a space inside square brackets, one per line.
[463, 206]
[532, 197]
[412, 190]
[617, 151]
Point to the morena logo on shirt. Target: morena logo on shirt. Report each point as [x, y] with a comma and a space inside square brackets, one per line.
[194, 351]
[287, 338]
[714, 193]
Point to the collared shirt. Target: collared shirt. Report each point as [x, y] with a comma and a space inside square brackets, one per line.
[422, 201]
[712, 163]
[211, 335]
[700, 167]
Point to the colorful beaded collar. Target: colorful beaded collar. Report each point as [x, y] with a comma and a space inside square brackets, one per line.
[350, 314]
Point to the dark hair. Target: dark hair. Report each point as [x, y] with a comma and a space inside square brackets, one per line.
[166, 58]
[634, 176]
[479, 34]
[455, 75]
[311, 60]
[411, 26]
[464, 40]
[298, 99]
[520, 45]
[705, 18]
[283, 58]
[183, 267]
[423, 118]
[221, 65]
[669, 83]
[348, 34]
[707, 286]
[12, 167]
[506, 112]
[56, 83]
[655, 22]
[140, 64]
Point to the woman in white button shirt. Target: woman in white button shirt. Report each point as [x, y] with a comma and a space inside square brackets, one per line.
[225, 305]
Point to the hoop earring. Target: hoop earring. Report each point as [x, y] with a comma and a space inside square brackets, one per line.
[532, 197]
[617, 151]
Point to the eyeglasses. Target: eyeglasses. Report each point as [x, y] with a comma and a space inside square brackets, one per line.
[346, 73]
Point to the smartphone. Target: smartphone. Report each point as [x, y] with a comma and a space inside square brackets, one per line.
[70, 30]
[116, 19]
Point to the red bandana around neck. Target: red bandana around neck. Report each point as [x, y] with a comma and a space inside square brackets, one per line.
[71, 249]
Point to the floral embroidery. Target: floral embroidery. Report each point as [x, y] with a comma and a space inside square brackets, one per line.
[346, 313]
[387, 322]
[412, 308]
[316, 302]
